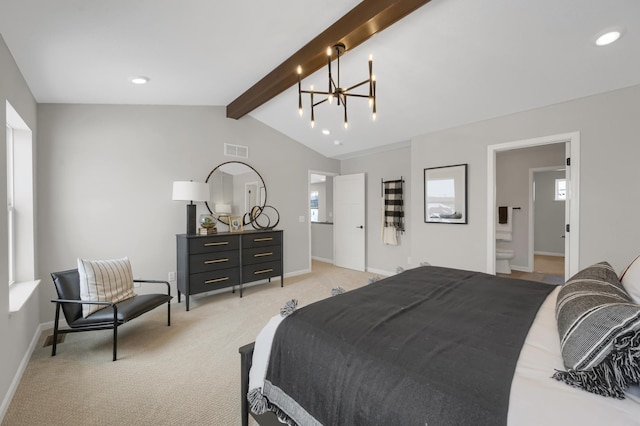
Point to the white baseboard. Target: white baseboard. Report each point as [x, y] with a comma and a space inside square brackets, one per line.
[546, 253]
[380, 272]
[21, 369]
[322, 259]
[521, 268]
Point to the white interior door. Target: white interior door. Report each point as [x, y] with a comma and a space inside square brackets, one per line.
[348, 221]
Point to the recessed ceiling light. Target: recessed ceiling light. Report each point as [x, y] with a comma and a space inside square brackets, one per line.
[326, 132]
[337, 143]
[607, 38]
[139, 79]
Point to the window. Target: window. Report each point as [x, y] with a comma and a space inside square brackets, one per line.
[561, 190]
[314, 206]
[20, 212]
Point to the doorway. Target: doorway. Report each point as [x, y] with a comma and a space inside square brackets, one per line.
[572, 143]
[320, 203]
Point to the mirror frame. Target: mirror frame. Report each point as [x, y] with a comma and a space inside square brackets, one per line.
[246, 216]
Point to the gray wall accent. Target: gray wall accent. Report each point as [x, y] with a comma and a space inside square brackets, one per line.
[18, 329]
[388, 165]
[512, 189]
[548, 214]
[609, 152]
[322, 241]
[106, 173]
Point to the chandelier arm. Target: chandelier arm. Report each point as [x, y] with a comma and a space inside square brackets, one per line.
[357, 85]
[357, 95]
[315, 92]
[320, 102]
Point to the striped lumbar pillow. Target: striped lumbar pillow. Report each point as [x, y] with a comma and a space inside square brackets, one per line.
[104, 281]
[599, 332]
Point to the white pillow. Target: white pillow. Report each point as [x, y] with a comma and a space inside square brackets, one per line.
[630, 278]
[104, 281]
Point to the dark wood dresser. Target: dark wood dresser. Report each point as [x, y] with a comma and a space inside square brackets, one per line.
[207, 263]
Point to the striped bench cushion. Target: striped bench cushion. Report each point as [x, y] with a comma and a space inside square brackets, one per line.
[599, 333]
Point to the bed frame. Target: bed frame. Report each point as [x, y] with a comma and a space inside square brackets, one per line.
[246, 359]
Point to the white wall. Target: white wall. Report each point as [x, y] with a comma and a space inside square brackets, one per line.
[389, 165]
[322, 241]
[609, 152]
[512, 189]
[18, 329]
[106, 173]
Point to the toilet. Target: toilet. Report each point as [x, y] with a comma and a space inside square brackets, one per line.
[503, 260]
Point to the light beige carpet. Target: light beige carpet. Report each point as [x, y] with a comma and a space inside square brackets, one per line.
[186, 374]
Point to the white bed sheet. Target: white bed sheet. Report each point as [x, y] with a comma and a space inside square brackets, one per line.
[536, 399]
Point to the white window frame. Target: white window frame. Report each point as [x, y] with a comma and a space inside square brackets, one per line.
[11, 231]
[557, 195]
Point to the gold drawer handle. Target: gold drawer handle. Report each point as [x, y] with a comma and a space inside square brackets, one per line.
[207, 262]
[263, 271]
[222, 243]
[262, 239]
[217, 280]
[263, 254]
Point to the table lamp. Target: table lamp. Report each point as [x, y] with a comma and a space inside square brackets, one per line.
[190, 191]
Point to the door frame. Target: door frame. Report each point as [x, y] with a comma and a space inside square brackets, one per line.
[573, 242]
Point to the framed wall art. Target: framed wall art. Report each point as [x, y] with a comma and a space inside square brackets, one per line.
[445, 194]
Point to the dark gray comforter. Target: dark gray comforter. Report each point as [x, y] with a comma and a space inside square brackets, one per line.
[431, 346]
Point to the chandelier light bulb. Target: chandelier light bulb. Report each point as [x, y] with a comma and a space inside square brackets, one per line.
[331, 98]
[313, 124]
[300, 111]
[373, 116]
[346, 125]
[370, 102]
[328, 51]
[299, 69]
[370, 57]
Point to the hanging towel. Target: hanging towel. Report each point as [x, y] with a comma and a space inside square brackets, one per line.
[389, 233]
[393, 204]
[503, 215]
[504, 230]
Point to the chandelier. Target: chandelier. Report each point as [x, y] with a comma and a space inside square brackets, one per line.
[335, 90]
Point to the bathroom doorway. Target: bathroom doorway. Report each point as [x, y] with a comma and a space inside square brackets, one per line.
[522, 243]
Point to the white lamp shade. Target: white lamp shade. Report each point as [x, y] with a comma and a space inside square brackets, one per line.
[190, 191]
[222, 208]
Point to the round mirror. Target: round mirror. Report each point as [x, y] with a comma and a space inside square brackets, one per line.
[234, 189]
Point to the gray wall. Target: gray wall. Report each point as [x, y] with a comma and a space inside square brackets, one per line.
[17, 329]
[322, 241]
[548, 215]
[106, 173]
[512, 189]
[609, 152]
[390, 165]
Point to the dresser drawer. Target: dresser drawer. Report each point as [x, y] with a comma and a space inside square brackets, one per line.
[261, 239]
[214, 280]
[260, 255]
[213, 243]
[213, 261]
[260, 271]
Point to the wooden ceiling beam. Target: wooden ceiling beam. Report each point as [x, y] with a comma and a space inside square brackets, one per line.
[358, 25]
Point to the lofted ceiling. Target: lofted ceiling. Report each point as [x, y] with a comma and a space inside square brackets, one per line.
[449, 63]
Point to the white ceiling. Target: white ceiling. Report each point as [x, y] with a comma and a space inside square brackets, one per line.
[449, 63]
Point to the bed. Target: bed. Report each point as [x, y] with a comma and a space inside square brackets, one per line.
[429, 346]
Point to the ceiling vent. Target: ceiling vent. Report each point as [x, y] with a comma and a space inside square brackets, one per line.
[236, 150]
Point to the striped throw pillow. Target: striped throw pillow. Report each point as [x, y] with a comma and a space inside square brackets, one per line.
[104, 281]
[599, 332]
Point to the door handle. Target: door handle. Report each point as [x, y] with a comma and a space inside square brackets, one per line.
[360, 227]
